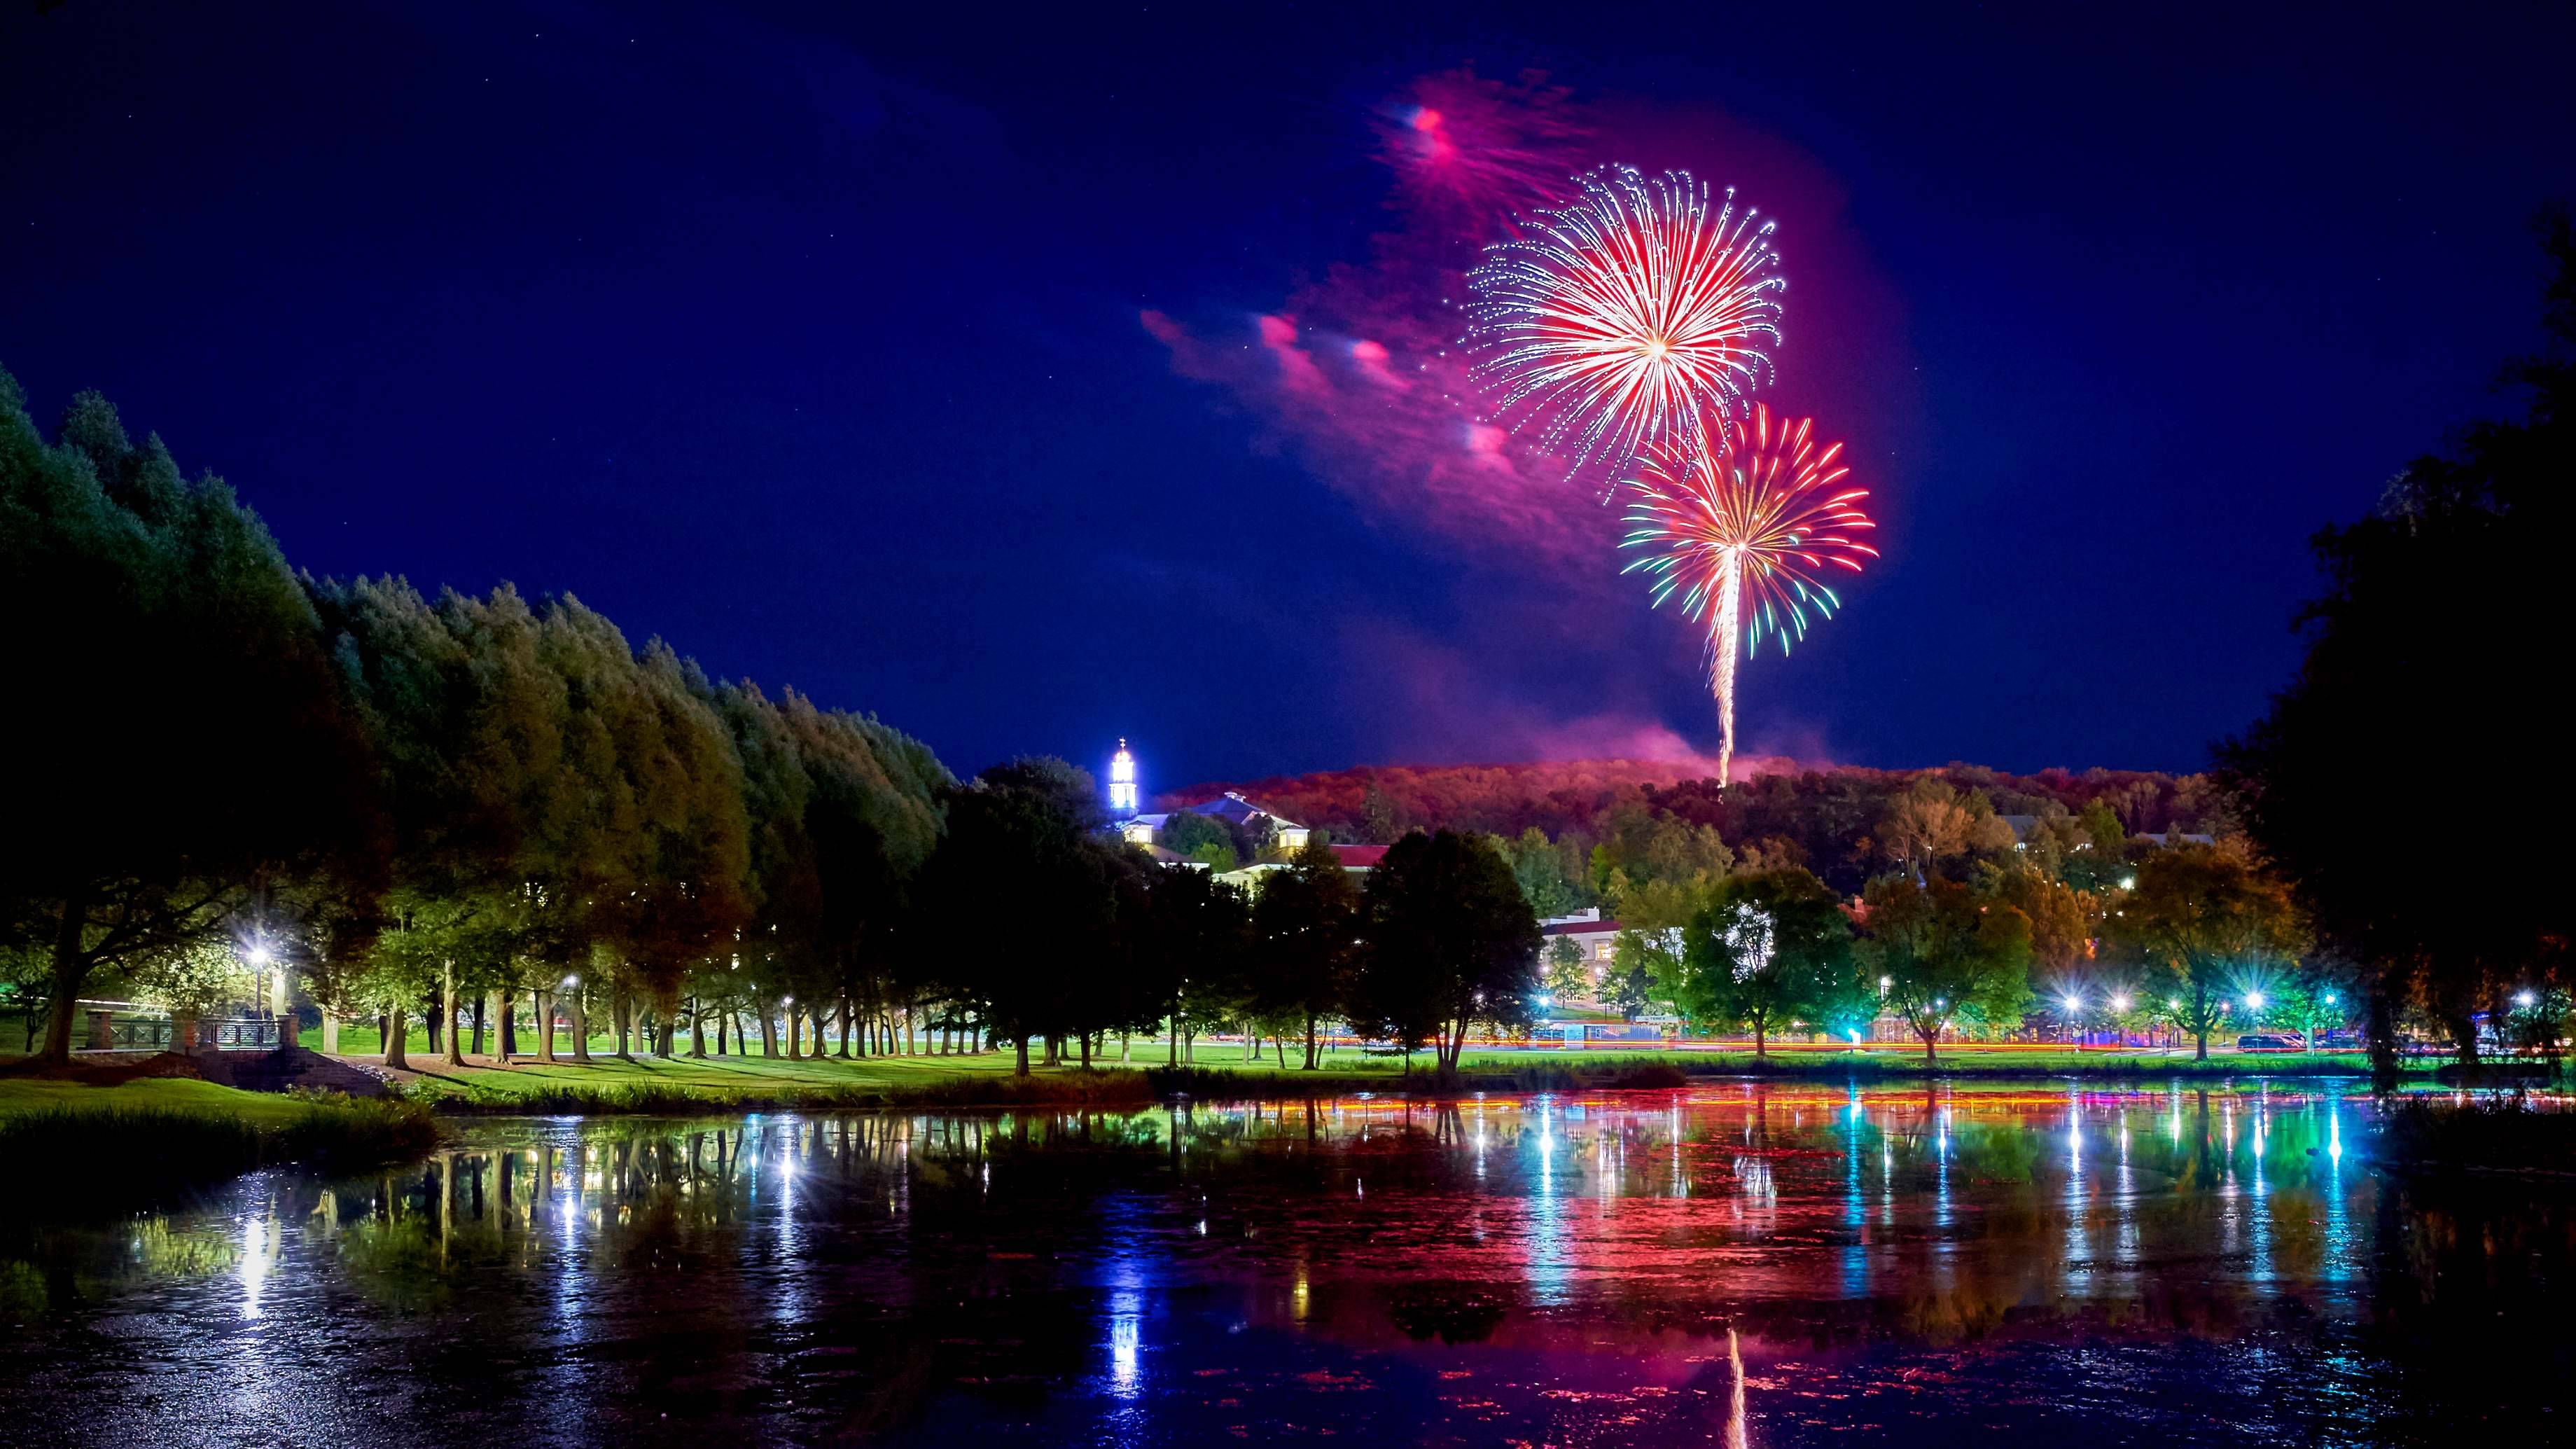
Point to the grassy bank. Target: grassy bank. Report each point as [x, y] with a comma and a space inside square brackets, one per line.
[139, 1142]
[652, 1084]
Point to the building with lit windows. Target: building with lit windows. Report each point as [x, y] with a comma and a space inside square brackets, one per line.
[1595, 939]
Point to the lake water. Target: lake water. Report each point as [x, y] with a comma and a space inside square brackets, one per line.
[1735, 1263]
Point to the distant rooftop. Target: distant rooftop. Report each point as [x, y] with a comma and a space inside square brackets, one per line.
[1578, 928]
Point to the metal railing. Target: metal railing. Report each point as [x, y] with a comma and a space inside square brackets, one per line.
[117, 1031]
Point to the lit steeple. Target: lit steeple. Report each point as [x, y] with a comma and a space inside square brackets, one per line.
[1122, 783]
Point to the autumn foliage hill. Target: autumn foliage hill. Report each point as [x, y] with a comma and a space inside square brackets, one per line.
[1823, 809]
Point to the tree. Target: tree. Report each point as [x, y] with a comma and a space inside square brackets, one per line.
[1305, 926]
[2062, 918]
[1199, 951]
[1646, 955]
[684, 852]
[2210, 924]
[192, 981]
[1773, 948]
[1378, 822]
[1946, 956]
[190, 742]
[1924, 826]
[872, 816]
[1451, 943]
[2315, 995]
[1567, 976]
[1021, 832]
[1540, 869]
[1642, 963]
[1196, 837]
[2389, 669]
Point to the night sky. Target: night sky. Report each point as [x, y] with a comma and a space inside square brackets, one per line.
[921, 365]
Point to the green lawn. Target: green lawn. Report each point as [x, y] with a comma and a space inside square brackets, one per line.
[167, 1094]
[719, 1078]
[714, 1077]
[648, 1083]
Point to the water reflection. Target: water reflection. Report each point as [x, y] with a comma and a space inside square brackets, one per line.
[1778, 1265]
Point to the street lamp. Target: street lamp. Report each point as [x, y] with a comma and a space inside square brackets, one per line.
[2524, 999]
[2253, 1001]
[259, 956]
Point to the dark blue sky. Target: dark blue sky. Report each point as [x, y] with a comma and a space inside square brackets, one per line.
[810, 341]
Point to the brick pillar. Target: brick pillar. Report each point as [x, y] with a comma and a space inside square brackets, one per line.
[102, 1031]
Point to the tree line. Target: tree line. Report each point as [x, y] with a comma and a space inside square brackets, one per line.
[445, 809]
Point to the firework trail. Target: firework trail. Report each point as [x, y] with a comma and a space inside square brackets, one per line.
[1620, 322]
[1737, 521]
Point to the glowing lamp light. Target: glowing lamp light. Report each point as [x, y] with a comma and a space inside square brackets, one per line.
[1853, 1034]
[259, 956]
[570, 982]
[2119, 1003]
[2253, 1001]
[2330, 998]
[2524, 999]
[2173, 1003]
[2075, 1003]
[2128, 882]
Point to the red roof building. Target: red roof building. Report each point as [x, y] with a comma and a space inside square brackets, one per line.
[1359, 857]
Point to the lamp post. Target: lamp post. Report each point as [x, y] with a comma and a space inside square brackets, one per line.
[575, 1020]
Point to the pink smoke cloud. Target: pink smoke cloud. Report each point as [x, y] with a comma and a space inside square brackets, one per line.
[1439, 702]
[1297, 371]
[1371, 359]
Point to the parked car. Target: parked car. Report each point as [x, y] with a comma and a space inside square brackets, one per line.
[2270, 1041]
[2341, 1039]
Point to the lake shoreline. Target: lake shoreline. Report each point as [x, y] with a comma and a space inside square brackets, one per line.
[152, 1136]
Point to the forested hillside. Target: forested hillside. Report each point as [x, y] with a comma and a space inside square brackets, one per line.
[1840, 821]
